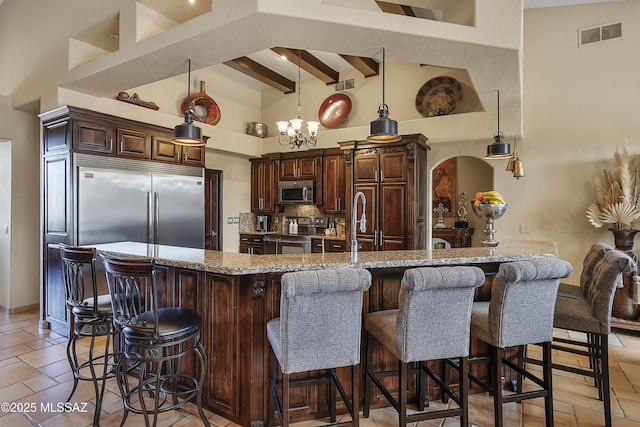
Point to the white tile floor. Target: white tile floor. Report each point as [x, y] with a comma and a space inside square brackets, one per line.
[34, 371]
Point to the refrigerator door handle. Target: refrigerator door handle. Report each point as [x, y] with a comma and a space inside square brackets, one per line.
[156, 216]
[150, 224]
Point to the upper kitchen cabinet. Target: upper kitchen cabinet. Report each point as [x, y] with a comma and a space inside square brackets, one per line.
[264, 172]
[297, 169]
[333, 182]
[393, 178]
[90, 132]
[165, 150]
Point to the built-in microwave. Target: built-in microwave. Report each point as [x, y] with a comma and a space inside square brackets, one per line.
[296, 192]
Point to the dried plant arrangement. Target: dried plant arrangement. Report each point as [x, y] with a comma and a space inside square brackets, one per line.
[618, 197]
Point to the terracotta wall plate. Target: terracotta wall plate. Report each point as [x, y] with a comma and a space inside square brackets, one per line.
[334, 110]
[438, 96]
[211, 109]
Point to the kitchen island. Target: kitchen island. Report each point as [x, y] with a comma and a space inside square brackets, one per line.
[237, 294]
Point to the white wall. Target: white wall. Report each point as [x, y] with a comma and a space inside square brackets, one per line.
[5, 221]
[22, 251]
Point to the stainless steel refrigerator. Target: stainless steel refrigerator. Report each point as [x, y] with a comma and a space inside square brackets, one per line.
[140, 202]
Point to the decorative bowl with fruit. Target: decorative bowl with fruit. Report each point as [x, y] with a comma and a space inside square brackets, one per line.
[489, 205]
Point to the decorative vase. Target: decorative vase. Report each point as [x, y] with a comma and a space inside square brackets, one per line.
[623, 306]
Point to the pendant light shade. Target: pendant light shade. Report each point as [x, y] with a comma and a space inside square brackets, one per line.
[498, 149]
[187, 133]
[383, 129]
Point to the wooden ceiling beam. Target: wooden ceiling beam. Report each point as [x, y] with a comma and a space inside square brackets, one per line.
[309, 63]
[367, 66]
[398, 9]
[259, 72]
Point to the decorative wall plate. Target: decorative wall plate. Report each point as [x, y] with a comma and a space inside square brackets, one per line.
[438, 96]
[202, 101]
[334, 110]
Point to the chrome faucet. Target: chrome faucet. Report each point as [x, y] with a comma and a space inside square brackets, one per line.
[363, 223]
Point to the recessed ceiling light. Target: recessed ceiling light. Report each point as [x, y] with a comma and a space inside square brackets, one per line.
[192, 1]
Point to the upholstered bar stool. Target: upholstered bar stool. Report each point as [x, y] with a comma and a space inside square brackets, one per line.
[590, 313]
[431, 323]
[595, 254]
[318, 329]
[92, 318]
[155, 341]
[520, 312]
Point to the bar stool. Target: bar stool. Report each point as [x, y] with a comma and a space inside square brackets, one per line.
[318, 329]
[155, 341]
[520, 312]
[595, 254]
[92, 317]
[431, 323]
[591, 314]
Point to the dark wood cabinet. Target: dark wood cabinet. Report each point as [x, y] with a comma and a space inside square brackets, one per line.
[295, 169]
[334, 184]
[93, 136]
[71, 136]
[457, 237]
[165, 150]
[251, 244]
[212, 209]
[393, 179]
[264, 185]
[328, 245]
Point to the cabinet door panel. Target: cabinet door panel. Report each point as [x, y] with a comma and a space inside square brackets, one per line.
[368, 238]
[288, 169]
[193, 156]
[95, 137]
[392, 220]
[307, 168]
[393, 166]
[365, 169]
[133, 143]
[163, 149]
[334, 184]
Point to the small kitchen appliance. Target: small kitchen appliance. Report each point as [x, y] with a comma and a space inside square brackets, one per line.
[263, 222]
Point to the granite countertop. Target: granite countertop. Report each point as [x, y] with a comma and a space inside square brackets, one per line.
[242, 264]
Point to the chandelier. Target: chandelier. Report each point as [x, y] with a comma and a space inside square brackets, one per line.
[291, 131]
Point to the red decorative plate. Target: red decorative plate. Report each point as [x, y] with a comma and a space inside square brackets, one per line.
[334, 110]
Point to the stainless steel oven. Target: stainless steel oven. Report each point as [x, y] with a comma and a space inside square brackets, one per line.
[286, 244]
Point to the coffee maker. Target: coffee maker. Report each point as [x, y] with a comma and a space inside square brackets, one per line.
[263, 223]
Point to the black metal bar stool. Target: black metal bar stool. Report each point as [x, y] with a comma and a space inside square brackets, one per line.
[92, 318]
[155, 341]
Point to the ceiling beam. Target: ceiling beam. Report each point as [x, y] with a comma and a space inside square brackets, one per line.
[398, 9]
[259, 72]
[309, 63]
[367, 66]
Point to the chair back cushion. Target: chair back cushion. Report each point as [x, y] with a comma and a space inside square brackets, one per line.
[320, 319]
[523, 298]
[434, 311]
[592, 257]
[607, 273]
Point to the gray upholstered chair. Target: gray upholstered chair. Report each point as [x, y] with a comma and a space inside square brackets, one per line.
[595, 254]
[319, 328]
[591, 314]
[520, 312]
[431, 323]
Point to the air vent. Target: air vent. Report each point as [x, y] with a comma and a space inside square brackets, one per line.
[345, 85]
[591, 35]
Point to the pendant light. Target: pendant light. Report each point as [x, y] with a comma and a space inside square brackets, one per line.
[383, 129]
[498, 149]
[187, 133]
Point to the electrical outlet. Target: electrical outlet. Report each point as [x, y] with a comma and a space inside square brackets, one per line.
[230, 220]
[525, 228]
[236, 220]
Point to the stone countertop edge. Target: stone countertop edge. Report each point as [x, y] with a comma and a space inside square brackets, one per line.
[231, 263]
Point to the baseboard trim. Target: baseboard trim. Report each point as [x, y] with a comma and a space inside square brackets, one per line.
[17, 310]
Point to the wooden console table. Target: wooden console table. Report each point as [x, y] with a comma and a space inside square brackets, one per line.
[457, 237]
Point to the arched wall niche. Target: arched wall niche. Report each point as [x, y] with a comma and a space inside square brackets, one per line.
[452, 175]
